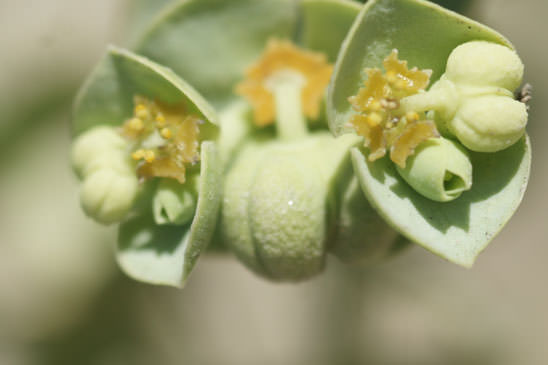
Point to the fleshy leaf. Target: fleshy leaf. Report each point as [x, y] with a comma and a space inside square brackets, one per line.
[325, 24]
[362, 235]
[457, 231]
[107, 96]
[165, 254]
[425, 34]
[211, 42]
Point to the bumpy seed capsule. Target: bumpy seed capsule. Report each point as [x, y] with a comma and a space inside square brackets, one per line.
[274, 212]
[107, 196]
[90, 147]
[474, 99]
[489, 123]
[109, 186]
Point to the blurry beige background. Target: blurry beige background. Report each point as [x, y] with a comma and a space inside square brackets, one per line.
[63, 301]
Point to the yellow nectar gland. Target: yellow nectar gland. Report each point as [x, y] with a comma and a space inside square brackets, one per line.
[282, 55]
[178, 131]
[378, 119]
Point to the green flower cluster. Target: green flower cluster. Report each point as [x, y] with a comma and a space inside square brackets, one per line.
[220, 129]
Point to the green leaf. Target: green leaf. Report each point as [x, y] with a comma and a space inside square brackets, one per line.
[325, 24]
[362, 235]
[422, 32]
[107, 96]
[425, 34]
[211, 42]
[461, 229]
[165, 254]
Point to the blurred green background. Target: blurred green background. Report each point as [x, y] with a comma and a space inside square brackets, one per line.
[64, 301]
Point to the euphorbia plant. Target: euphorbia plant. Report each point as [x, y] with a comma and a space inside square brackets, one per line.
[147, 136]
[459, 159]
[145, 153]
[289, 195]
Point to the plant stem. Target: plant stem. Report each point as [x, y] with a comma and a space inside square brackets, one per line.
[438, 100]
[290, 121]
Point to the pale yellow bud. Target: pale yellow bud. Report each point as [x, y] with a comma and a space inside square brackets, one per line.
[489, 123]
[485, 64]
[107, 196]
[96, 142]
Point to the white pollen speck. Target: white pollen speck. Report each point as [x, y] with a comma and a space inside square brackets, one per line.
[290, 203]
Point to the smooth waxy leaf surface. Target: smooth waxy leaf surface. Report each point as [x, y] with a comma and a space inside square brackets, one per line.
[165, 254]
[107, 96]
[325, 24]
[210, 43]
[424, 35]
[461, 229]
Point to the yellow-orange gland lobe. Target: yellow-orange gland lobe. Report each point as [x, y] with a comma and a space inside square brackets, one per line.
[378, 119]
[282, 55]
[170, 137]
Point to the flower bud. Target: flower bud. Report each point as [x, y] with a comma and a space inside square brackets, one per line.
[485, 64]
[489, 123]
[174, 203]
[97, 146]
[439, 169]
[107, 195]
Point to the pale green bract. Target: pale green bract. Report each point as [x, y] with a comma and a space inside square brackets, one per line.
[440, 169]
[466, 107]
[176, 221]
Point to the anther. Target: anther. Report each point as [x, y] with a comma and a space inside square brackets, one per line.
[374, 119]
[166, 133]
[141, 111]
[136, 125]
[160, 121]
[412, 116]
[137, 155]
[149, 156]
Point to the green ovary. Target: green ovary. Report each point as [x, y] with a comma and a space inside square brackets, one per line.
[502, 123]
[473, 101]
